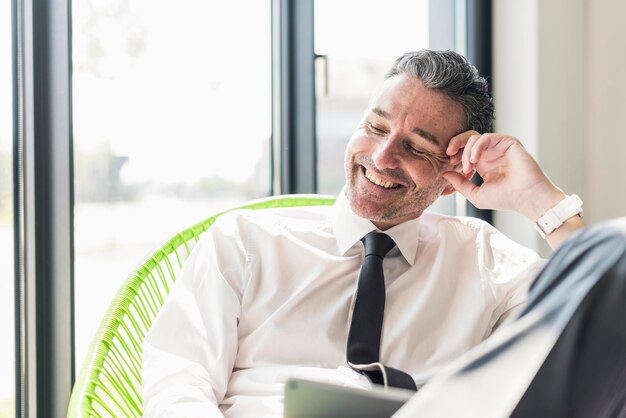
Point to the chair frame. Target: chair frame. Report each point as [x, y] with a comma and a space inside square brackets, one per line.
[109, 381]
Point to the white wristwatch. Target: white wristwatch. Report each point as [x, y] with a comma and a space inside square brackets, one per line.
[555, 217]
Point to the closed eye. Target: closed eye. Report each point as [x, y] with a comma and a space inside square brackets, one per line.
[439, 157]
[376, 129]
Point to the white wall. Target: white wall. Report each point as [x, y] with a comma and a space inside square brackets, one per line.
[559, 87]
[606, 91]
[515, 92]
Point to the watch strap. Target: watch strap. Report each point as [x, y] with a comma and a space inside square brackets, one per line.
[570, 206]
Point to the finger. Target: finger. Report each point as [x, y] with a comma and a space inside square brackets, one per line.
[461, 184]
[480, 145]
[465, 158]
[492, 147]
[458, 142]
[499, 147]
[456, 158]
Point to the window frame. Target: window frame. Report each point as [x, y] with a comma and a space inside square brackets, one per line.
[43, 165]
[293, 97]
[43, 207]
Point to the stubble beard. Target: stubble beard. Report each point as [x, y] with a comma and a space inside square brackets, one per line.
[409, 205]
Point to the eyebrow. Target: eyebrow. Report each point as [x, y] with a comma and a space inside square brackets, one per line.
[424, 134]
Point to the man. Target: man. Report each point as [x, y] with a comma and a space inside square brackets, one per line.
[271, 294]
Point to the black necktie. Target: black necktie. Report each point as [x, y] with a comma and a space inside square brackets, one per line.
[369, 309]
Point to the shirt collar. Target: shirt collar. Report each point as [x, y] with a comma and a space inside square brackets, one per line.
[349, 228]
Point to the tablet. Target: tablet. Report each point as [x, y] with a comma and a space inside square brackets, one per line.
[310, 399]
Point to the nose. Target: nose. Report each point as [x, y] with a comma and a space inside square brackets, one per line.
[386, 154]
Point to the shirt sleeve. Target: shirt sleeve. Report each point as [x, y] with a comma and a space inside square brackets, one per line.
[511, 269]
[189, 352]
[517, 293]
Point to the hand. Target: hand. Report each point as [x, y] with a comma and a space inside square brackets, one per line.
[512, 178]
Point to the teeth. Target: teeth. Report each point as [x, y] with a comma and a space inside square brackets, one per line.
[378, 181]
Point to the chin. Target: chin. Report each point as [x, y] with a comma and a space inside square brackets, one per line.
[362, 206]
[375, 212]
[388, 213]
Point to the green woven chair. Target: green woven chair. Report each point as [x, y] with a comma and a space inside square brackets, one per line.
[109, 383]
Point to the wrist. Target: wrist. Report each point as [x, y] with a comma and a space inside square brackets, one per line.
[565, 231]
[540, 202]
[559, 214]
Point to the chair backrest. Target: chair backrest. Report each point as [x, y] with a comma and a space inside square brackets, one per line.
[109, 382]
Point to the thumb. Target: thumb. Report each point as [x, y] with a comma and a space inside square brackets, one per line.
[461, 184]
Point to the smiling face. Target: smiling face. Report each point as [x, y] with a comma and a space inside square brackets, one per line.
[395, 159]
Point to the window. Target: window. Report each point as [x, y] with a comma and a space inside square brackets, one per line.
[7, 271]
[171, 120]
[356, 42]
[171, 123]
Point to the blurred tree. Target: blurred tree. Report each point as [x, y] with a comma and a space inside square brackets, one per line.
[103, 19]
[97, 175]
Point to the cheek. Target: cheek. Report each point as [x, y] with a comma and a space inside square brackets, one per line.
[352, 148]
[428, 179]
[349, 153]
[424, 174]
[358, 144]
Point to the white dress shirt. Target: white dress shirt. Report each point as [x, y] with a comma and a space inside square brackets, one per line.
[268, 294]
[511, 359]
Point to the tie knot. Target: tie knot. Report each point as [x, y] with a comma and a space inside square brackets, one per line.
[378, 244]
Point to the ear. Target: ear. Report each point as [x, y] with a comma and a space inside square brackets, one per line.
[469, 175]
[449, 189]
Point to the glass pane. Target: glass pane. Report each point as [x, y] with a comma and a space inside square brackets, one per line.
[360, 39]
[172, 120]
[7, 281]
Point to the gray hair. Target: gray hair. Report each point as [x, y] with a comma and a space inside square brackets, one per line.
[453, 75]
